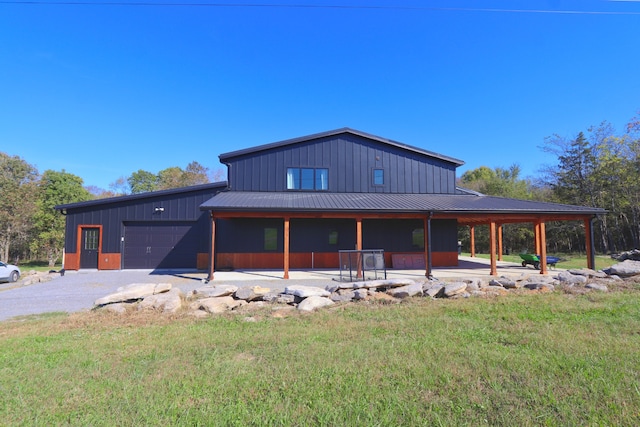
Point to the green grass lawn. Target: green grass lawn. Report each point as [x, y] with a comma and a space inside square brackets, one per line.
[38, 266]
[568, 261]
[523, 359]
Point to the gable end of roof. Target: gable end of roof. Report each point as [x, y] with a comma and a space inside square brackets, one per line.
[226, 156]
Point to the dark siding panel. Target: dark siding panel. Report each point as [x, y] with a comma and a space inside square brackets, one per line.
[178, 207]
[246, 235]
[350, 160]
[444, 235]
[390, 235]
[312, 235]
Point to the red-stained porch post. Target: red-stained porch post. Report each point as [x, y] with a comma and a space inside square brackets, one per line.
[212, 249]
[472, 234]
[536, 234]
[500, 242]
[427, 245]
[543, 248]
[286, 247]
[492, 248]
[359, 274]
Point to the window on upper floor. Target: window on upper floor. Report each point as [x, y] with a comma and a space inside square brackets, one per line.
[316, 179]
[378, 177]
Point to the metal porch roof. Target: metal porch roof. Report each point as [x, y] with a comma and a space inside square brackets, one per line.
[241, 201]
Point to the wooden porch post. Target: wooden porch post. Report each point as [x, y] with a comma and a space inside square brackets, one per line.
[500, 242]
[492, 248]
[472, 235]
[286, 247]
[427, 245]
[359, 272]
[588, 235]
[212, 249]
[543, 248]
[536, 234]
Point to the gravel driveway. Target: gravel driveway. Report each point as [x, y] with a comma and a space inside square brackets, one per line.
[76, 291]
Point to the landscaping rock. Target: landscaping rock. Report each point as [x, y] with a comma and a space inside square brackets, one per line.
[215, 291]
[568, 278]
[632, 255]
[306, 291]
[360, 294]
[217, 305]
[340, 297]
[435, 291]
[455, 288]
[587, 272]
[251, 293]
[505, 283]
[625, 268]
[314, 302]
[406, 291]
[134, 291]
[166, 302]
[537, 286]
[597, 287]
[381, 283]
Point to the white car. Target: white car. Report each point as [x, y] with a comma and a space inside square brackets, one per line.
[9, 272]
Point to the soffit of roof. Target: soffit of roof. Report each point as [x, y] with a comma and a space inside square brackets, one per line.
[226, 156]
[151, 194]
[384, 202]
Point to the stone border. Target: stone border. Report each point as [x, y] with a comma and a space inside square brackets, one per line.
[214, 299]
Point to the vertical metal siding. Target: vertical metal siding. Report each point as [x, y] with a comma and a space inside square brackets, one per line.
[178, 207]
[350, 160]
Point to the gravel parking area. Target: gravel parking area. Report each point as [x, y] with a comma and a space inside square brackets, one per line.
[76, 291]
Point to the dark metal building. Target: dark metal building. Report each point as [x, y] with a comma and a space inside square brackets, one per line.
[163, 229]
[296, 203]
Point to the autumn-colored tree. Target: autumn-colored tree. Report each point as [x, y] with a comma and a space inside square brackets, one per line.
[17, 202]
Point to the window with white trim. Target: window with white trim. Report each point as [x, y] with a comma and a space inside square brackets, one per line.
[315, 179]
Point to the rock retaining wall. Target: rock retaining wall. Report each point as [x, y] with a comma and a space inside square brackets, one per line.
[213, 299]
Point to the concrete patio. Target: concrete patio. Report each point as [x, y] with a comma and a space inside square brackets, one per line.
[467, 267]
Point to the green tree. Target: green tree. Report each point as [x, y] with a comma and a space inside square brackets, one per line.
[142, 182]
[502, 183]
[55, 188]
[17, 202]
[497, 182]
[170, 178]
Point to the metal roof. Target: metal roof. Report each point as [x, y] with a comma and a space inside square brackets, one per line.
[224, 157]
[117, 199]
[242, 201]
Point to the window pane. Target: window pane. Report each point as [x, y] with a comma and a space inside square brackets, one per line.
[333, 238]
[91, 239]
[306, 181]
[378, 177]
[418, 238]
[270, 239]
[322, 179]
[293, 179]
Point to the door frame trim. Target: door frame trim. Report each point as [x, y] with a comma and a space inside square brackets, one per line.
[79, 242]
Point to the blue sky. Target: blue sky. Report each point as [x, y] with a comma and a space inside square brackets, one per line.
[102, 90]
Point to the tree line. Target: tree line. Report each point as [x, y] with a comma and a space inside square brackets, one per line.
[31, 229]
[596, 168]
